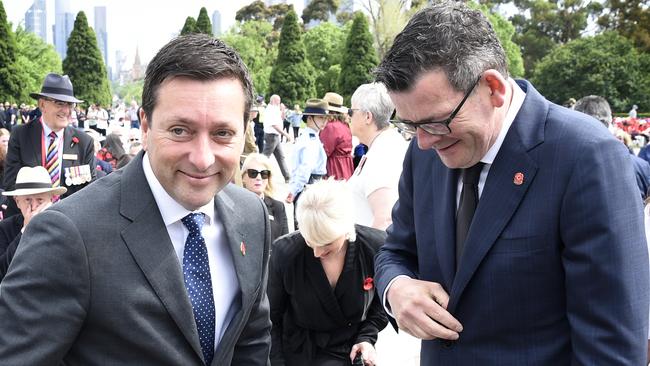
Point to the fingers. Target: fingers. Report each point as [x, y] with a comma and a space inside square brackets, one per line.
[353, 352]
[420, 309]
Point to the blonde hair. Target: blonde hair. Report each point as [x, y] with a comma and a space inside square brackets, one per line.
[325, 212]
[253, 158]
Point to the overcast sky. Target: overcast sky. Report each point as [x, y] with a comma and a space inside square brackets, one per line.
[147, 24]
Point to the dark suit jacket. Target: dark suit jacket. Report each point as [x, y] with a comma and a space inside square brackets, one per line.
[555, 270]
[312, 320]
[25, 150]
[277, 217]
[9, 238]
[96, 281]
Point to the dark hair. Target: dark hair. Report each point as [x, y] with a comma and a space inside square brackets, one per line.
[448, 36]
[596, 107]
[113, 145]
[198, 57]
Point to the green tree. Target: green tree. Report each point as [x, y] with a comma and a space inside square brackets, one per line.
[84, 64]
[10, 83]
[277, 13]
[130, 91]
[631, 18]
[292, 76]
[505, 32]
[328, 81]
[387, 19]
[319, 10]
[203, 24]
[189, 26]
[325, 44]
[257, 43]
[606, 64]
[34, 60]
[253, 11]
[358, 59]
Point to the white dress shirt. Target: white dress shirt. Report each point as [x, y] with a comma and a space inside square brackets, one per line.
[225, 285]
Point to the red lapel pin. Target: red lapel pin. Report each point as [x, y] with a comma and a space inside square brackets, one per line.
[518, 179]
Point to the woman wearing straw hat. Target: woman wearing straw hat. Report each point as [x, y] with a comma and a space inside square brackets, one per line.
[33, 193]
[337, 139]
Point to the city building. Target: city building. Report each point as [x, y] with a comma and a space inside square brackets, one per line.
[100, 32]
[63, 24]
[216, 23]
[36, 19]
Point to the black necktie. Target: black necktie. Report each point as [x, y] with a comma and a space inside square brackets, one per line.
[466, 207]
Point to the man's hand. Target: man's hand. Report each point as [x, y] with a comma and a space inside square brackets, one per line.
[368, 353]
[29, 213]
[420, 308]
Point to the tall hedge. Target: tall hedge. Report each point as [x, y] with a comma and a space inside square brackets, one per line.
[85, 65]
[359, 58]
[203, 24]
[292, 77]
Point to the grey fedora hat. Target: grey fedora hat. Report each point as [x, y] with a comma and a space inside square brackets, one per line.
[57, 87]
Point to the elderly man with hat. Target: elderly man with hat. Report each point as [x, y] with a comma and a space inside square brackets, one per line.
[33, 193]
[309, 162]
[67, 153]
[337, 139]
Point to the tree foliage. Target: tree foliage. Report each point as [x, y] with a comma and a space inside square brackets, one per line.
[34, 60]
[606, 64]
[85, 65]
[319, 10]
[292, 76]
[130, 91]
[359, 58]
[387, 19]
[203, 24]
[325, 44]
[328, 81]
[631, 18]
[257, 44]
[256, 10]
[189, 26]
[10, 83]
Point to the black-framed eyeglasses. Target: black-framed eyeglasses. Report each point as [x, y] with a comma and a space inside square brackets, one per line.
[61, 104]
[433, 127]
[252, 173]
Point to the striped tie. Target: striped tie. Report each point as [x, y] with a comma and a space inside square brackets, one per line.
[52, 160]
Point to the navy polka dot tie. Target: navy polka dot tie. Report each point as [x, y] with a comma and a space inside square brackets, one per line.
[196, 271]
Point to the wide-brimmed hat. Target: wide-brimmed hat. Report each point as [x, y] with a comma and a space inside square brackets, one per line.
[335, 102]
[34, 180]
[57, 87]
[315, 107]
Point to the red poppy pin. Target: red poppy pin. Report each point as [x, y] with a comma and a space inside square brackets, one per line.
[242, 248]
[75, 140]
[368, 284]
[518, 178]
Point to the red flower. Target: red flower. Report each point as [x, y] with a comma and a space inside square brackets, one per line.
[75, 140]
[367, 284]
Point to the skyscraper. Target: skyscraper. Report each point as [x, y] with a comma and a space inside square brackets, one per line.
[36, 19]
[63, 24]
[216, 23]
[100, 32]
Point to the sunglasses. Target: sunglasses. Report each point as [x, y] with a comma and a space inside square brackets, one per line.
[351, 112]
[252, 173]
[61, 104]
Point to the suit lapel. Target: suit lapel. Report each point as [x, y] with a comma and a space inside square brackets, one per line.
[35, 140]
[503, 192]
[153, 251]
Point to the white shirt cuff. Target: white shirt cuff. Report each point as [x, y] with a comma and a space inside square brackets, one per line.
[385, 302]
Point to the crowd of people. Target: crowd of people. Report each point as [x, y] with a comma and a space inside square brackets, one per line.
[503, 230]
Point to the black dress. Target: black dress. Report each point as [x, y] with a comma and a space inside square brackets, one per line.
[314, 324]
[277, 217]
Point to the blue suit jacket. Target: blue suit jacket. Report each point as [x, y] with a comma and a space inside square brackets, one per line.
[555, 270]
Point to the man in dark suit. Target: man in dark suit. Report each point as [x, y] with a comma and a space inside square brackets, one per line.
[51, 141]
[514, 241]
[163, 262]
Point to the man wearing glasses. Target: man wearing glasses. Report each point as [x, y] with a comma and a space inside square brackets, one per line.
[67, 153]
[512, 243]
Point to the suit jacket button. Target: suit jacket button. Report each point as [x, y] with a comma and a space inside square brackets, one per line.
[349, 324]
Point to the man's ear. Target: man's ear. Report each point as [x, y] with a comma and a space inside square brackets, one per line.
[498, 87]
[144, 127]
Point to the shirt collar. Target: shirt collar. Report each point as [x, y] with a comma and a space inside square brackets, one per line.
[170, 210]
[516, 102]
[47, 130]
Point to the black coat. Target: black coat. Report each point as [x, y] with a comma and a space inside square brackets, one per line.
[277, 217]
[9, 238]
[312, 321]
